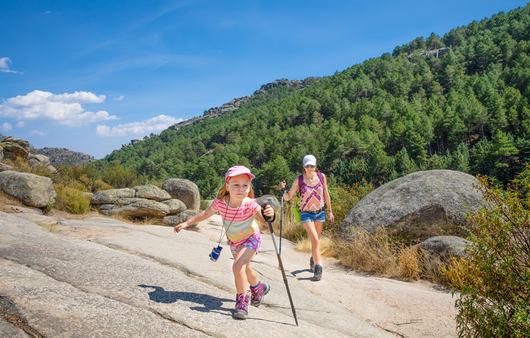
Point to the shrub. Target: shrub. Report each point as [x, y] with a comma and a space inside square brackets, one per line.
[494, 284]
[71, 199]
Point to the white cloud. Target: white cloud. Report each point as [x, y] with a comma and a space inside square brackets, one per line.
[6, 127]
[64, 109]
[4, 66]
[154, 125]
[119, 98]
[21, 124]
[41, 133]
[47, 12]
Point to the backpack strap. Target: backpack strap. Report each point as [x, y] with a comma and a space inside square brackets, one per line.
[320, 177]
[300, 182]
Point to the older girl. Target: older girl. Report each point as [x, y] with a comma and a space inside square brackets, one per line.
[313, 189]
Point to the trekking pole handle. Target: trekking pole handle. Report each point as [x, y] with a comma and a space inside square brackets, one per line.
[267, 218]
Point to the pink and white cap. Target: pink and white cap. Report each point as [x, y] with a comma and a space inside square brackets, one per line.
[238, 170]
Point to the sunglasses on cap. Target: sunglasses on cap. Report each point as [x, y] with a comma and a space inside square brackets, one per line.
[309, 166]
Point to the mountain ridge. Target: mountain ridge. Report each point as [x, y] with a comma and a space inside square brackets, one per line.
[63, 156]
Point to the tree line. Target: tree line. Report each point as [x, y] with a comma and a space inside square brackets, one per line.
[376, 121]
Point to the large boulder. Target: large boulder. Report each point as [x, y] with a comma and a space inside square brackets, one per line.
[173, 220]
[438, 251]
[32, 190]
[42, 161]
[6, 167]
[418, 206]
[112, 195]
[152, 192]
[184, 190]
[446, 246]
[139, 208]
[270, 200]
[175, 206]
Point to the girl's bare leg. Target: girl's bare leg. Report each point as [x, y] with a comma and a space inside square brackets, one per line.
[314, 230]
[243, 272]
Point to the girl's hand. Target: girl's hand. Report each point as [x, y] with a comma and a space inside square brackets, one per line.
[282, 185]
[180, 226]
[268, 211]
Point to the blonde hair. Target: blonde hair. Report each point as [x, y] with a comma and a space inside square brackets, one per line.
[222, 192]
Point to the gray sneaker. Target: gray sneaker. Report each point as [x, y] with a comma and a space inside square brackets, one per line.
[311, 264]
[318, 272]
[241, 310]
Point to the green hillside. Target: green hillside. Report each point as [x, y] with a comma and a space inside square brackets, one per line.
[459, 102]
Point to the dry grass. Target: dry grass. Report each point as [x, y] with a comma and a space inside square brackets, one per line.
[328, 247]
[138, 220]
[68, 215]
[378, 253]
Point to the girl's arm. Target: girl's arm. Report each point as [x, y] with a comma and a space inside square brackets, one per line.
[195, 219]
[292, 192]
[327, 199]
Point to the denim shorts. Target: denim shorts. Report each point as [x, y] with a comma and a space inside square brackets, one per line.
[311, 217]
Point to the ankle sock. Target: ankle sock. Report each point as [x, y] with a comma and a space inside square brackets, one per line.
[253, 287]
[318, 264]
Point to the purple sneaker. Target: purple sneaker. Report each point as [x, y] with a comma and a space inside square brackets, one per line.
[241, 310]
[258, 293]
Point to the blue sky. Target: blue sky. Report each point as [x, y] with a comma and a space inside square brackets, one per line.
[92, 75]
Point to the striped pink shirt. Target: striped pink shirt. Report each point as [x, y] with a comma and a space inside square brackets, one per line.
[238, 222]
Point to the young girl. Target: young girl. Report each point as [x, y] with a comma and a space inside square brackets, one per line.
[236, 204]
[313, 189]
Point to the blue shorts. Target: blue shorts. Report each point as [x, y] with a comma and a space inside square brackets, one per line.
[312, 217]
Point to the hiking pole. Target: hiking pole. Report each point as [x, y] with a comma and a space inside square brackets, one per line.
[268, 219]
[281, 221]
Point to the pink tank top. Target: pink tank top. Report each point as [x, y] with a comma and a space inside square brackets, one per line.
[312, 196]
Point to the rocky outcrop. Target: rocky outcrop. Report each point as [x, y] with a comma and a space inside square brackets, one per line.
[418, 206]
[5, 167]
[151, 192]
[11, 148]
[173, 220]
[175, 206]
[184, 190]
[63, 156]
[446, 246]
[140, 207]
[33, 190]
[141, 201]
[14, 148]
[235, 103]
[438, 251]
[111, 196]
[42, 161]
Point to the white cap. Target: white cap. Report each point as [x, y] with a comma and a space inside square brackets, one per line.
[310, 160]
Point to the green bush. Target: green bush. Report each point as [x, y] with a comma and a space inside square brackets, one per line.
[494, 283]
[70, 199]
